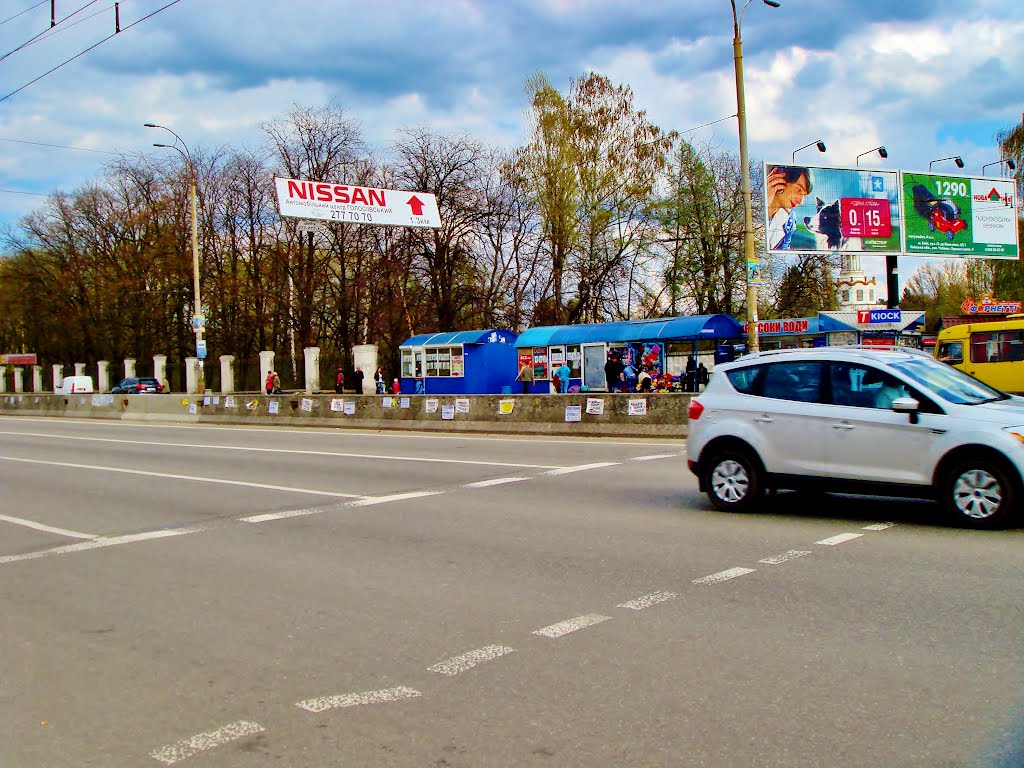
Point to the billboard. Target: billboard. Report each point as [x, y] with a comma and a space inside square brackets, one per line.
[813, 209]
[344, 203]
[960, 216]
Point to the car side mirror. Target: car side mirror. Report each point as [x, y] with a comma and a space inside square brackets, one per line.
[907, 405]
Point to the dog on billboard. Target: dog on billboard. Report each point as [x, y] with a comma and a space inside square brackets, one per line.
[826, 226]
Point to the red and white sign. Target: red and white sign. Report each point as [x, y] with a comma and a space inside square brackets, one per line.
[19, 358]
[986, 305]
[765, 327]
[865, 217]
[346, 204]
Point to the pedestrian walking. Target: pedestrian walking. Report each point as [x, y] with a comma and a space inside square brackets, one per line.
[378, 381]
[339, 381]
[526, 377]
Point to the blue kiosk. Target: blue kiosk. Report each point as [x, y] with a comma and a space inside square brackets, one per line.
[459, 363]
[660, 346]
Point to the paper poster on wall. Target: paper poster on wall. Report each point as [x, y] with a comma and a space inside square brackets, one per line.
[574, 413]
[272, 407]
[306, 404]
[216, 399]
[462, 405]
[386, 402]
[637, 407]
[192, 408]
[447, 411]
[350, 407]
[404, 402]
[505, 407]
[97, 400]
[229, 402]
[206, 401]
[430, 406]
[595, 405]
[337, 404]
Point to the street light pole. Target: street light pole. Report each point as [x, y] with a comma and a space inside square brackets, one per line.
[753, 345]
[198, 319]
[892, 267]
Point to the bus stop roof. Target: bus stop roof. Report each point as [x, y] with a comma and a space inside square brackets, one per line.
[692, 328]
[456, 337]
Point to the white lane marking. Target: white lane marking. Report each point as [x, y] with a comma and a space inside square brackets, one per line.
[639, 603]
[279, 515]
[293, 451]
[204, 741]
[790, 555]
[327, 429]
[877, 526]
[47, 528]
[831, 541]
[656, 456]
[721, 576]
[100, 542]
[495, 481]
[470, 659]
[369, 501]
[191, 478]
[571, 625]
[325, 703]
[581, 468]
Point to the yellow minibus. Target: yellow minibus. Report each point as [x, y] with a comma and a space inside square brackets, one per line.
[992, 352]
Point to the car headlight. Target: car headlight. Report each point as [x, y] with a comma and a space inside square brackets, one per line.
[1017, 432]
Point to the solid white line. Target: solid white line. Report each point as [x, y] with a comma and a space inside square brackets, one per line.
[469, 660]
[581, 468]
[831, 541]
[98, 543]
[495, 481]
[369, 501]
[790, 555]
[877, 526]
[48, 528]
[191, 478]
[204, 741]
[325, 703]
[293, 451]
[647, 601]
[721, 576]
[571, 625]
[280, 515]
[657, 456]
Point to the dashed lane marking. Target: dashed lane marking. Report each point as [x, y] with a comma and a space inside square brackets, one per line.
[280, 515]
[790, 555]
[581, 468]
[570, 625]
[113, 541]
[832, 541]
[470, 659]
[495, 481]
[47, 528]
[639, 603]
[877, 526]
[721, 576]
[204, 741]
[325, 703]
[657, 456]
[369, 501]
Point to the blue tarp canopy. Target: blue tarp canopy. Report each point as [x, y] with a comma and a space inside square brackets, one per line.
[450, 337]
[691, 328]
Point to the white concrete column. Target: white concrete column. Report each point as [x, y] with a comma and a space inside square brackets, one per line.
[266, 366]
[79, 369]
[129, 367]
[3, 378]
[312, 355]
[19, 379]
[364, 356]
[160, 371]
[191, 375]
[227, 374]
[37, 378]
[103, 376]
[58, 375]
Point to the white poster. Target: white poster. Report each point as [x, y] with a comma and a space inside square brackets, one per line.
[595, 405]
[229, 402]
[574, 413]
[637, 407]
[447, 411]
[462, 405]
[386, 402]
[307, 404]
[350, 407]
[404, 402]
[206, 401]
[272, 407]
[336, 404]
[216, 399]
[431, 406]
[192, 408]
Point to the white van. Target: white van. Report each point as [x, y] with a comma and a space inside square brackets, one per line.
[74, 385]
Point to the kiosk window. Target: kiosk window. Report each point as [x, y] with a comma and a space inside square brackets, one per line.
[407, 369]
[444, 361]
[574, 359]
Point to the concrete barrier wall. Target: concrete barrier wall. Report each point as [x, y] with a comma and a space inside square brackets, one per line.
[658, 415]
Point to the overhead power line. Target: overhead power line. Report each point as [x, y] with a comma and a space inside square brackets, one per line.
[58, 146]
[53, 24]
[22, 13]
[90, 48]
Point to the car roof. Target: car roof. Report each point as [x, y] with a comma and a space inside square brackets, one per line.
[848, 352]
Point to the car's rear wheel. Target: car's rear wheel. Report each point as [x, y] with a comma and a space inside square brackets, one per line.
[733, 480]
[980, 493]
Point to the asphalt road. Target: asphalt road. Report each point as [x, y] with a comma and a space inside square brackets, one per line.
[216, 596]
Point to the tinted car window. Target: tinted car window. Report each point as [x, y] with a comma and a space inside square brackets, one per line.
[862, 386]
[797, 380]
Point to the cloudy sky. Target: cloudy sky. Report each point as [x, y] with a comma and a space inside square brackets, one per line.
[926, 78]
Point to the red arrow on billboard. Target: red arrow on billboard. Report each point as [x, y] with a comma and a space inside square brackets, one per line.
[416, 204]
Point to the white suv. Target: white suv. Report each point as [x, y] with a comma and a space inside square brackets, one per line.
[891, 422]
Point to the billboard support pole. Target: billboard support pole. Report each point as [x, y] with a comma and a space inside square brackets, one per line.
[892, 282]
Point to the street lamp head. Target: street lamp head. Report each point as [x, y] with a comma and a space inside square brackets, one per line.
[1010, 164]
[821, 145]
[959, 161]
[164, 146]
[772, 4]
[883, 152]
[150, 125]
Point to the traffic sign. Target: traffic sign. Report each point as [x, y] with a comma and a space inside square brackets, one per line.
[346, 204]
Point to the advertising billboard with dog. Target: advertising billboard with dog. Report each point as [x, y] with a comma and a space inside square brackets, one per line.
[822, 210]
[959, 216]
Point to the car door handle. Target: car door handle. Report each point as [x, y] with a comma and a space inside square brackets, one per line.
[764, 418]
[842, 426]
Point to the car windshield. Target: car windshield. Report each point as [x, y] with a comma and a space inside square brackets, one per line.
[947, 382]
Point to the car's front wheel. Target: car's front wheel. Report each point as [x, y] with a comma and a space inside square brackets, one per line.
[733, 480]
[980, 493]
